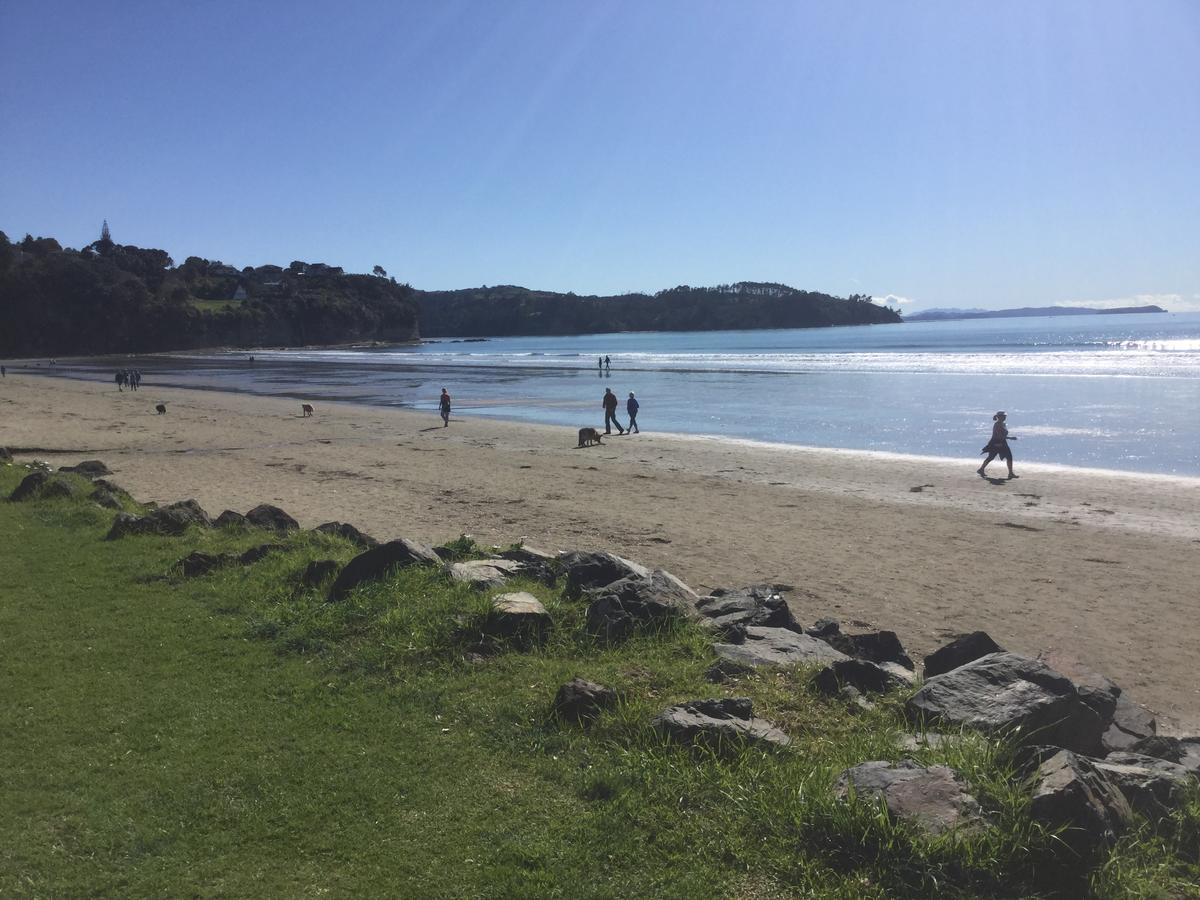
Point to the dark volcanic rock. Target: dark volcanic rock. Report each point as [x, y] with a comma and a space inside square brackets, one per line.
[57, 486]
[861, 674]
[754, 605]
[714, 722]
[267, 516]
[105, 498]
[932, 797]
[231, 519]
[725, 670]
[1130, 723]
[581, 701]
[1004, 693]
[874, 646]
[1154, 787]
[349, 532]
[197, 563]
[518, 615]
[317, 571]
[1097, 691]
[254, 554]
[638, 603]
[959, 652]
[824, 629]
[89, 468]
[378, 562]
[30, 486]
[586, 570]
[1184, 751]
[756, 646]
[1070, 791]
[174, 520]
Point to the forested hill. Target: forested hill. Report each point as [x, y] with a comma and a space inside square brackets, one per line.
[509, 310]
[114, 298]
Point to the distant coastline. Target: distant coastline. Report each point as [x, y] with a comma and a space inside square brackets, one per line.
[940, 315]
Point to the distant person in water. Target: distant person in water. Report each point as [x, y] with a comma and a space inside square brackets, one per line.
[631, 407]
[607, 363]
[998, 445]
[600, 362]
[610, 412]
[444, 407]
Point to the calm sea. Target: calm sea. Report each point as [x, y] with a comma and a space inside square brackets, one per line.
[1114, 391]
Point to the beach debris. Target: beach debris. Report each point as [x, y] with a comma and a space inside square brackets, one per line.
[582, 701]
[862, 675]
[874, 646]
[959, 652]
[173, 519]
[586, 570]
[1011, 695]
[378, 562]
[89, 468]
[758, 646]
[638, 603]
[484, 574]
[934, 798]
[231, 519]
[712, 723]
[758, 604]
[1071, 793]
[318, 572]
[267, 516]
[347, 531]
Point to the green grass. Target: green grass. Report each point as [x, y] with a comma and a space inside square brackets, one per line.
[236, 735]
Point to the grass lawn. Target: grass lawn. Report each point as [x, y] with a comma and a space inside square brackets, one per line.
[236, 735]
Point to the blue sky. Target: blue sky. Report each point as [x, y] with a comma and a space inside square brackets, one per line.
[951, 154]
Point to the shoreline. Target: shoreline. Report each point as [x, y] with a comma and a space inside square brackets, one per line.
[1092, 562]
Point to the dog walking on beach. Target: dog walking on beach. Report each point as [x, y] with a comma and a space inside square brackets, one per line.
[588, 436]
[306, 409]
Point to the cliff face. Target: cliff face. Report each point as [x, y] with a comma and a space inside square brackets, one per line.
[112, 298]
[509, 310]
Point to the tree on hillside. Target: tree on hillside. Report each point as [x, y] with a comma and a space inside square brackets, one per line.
[380, 271]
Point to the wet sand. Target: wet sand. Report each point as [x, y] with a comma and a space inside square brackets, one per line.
[1103, 566]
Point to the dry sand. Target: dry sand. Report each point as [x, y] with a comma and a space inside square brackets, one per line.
[1103, 566]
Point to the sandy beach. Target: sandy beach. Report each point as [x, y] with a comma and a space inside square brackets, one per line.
[1102, 566]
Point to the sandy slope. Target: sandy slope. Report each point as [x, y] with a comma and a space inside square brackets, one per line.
[1100, 565]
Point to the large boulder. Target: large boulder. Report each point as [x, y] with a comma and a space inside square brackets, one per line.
[347, 531]
[231, 519]
[755, 605]
[862, 675]
[378, 562]
[30, 486]
[874, 646]
[1182, 751]
[267, 516]
[484, 574]
[173, 520]
[933, 798]
[755, 646]
[1130, 723]
[587, 570]
[518, 615]
[638, 603]
[1154, 787]
[58, 487]
[1011, 695]
[716, 722]
[959, 652]
[1071, 793]
[89, 468]
[1096, 690]
[581, 701]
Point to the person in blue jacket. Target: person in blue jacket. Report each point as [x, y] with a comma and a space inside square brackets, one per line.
[631, 407]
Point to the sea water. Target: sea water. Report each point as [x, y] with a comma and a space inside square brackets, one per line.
[1105, 391]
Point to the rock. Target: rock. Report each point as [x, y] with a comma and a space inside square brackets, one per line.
[267, 516]
[30, 486]
[959, 652]
[484, 574]
[587, 570]
[1097, 691]
[197, 563]
[231, 519]
[874, 646]
[106, 498]
[57, 487]
[530, 556]
[754, 605]
[318, 572]
[254, 554]
[757, 646]
[714, 722]
[933, 798]
[638, 603]
[378, 562]
[1153, 787]
[89, 468]
[1007, 694]
[582, 701]
[173, 520]
[929, 740]
[349, 532]
[725, 670]
[824, 628]
[1069, 791]
[863, 675]
[518, 616]
[1130, 723]
[1183, 751]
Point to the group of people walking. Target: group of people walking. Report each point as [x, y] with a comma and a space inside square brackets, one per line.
[609, 402]
[128, 378]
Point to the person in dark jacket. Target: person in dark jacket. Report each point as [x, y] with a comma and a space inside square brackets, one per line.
[444, 407]
[631, 407]
[998, 445]
[610, 412]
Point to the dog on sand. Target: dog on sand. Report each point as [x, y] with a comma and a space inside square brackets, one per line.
[306, 409]
[161, 409]
[589, 436]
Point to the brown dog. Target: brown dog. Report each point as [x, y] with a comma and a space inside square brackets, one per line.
[306, 409]
[589, 436]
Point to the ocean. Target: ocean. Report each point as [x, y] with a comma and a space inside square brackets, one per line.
[1108, 391]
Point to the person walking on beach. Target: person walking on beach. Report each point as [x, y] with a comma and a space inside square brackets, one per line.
[600, 363]
[607, 364]
[610, 412]
[998, 445]
[631, 407]
[120, 381]
[3, 372]
[444, 406]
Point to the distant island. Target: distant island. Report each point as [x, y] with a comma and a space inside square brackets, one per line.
[931, 315]
[119, 298]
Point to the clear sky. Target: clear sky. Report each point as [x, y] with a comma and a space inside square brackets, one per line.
[961, 153]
